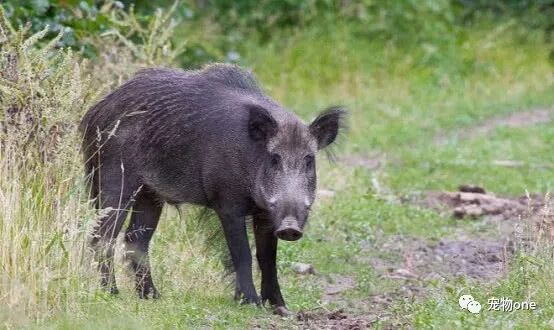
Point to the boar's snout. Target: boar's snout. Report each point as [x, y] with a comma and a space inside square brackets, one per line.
[289, 230]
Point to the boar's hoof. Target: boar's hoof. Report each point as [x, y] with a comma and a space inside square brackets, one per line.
[282, 311]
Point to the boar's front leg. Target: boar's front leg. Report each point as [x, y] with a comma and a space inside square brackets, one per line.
[234, 228]
[266, 253]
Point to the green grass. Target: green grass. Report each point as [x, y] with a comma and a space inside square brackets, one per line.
[400, 98]
[473, 161]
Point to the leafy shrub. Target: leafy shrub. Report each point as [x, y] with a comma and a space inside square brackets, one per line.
[266, 15]
[73, 19]
[43, 90]
[40, 91]
[81, 22]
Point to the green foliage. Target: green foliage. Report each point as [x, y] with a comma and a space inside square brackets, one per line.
[400, 20]
[422, 24]
[41, 89]
[386, 19]
[266, 15]
[73, 19]
[80, 23]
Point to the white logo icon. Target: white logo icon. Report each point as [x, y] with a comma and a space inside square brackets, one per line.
[467, 302]
[464, 300]
[474, 307]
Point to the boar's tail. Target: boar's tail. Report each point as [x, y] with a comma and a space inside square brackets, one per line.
[91, 166]
[89, 128]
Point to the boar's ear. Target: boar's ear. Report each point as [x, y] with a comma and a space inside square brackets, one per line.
[261, 125]
[326, 126]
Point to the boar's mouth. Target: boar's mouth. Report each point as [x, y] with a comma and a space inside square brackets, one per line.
[289, 230]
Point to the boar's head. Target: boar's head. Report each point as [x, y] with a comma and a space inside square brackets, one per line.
[286, 176]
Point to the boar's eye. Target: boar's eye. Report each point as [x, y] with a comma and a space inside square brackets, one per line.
[275, 160]
[309, 159]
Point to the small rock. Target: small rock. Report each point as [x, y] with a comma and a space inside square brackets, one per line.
[471, 210]
[494, 208]
[303, 269]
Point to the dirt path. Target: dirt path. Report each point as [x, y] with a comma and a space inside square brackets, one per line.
[512, 120]
[412, 263]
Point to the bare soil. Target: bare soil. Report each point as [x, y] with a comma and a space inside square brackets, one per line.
[414, 262]
[334, 320]
[472, 202]
[417, 260]
[513, 120]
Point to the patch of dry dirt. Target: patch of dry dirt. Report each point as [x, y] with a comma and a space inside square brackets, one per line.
[474, 205]
[417, 260]
[334, 320]
[360, 314]
[414, 262]
[348, 314]
[339, 284]
[480, 258]
[474, 202]
[513, 120]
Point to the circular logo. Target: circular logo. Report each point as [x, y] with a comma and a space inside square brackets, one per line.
[474, 307]
[465, 300]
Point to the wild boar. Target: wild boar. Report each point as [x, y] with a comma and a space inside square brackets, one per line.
[208, 137]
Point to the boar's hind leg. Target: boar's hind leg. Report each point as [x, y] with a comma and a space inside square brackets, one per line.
[266, 253]
[234, 228]
[144, 220]
[115, 203]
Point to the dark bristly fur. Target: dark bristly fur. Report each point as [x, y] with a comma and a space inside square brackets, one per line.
[209, 137]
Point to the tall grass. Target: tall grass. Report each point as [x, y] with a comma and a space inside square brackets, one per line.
[43, 224]
[42, 218]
